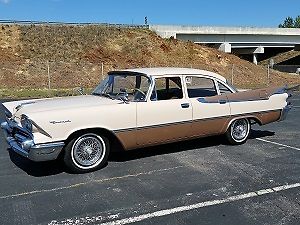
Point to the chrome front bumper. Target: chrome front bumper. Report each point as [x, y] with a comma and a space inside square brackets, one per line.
[21, 142]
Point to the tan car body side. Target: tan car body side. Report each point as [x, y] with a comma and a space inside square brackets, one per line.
[138, 124]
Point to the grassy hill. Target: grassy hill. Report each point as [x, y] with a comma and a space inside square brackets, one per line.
[72, 56]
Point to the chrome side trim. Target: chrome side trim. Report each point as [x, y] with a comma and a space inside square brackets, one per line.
[49, 145]
[125, 130]
[233, 116]
[220, 101]
[204, 100]
[41, 130]
[280, 90]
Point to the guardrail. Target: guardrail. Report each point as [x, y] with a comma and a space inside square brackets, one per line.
[33, 22]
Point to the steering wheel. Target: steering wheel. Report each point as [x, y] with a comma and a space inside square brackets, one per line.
[140, 91]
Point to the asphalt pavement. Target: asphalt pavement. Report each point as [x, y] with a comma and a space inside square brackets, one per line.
[204, 181]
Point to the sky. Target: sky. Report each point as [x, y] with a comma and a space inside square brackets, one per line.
[253, 13]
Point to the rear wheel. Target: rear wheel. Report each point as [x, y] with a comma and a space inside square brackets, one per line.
[238, 131]
[86, 153]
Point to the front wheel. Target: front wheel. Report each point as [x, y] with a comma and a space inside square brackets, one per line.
[86, 153]
[238, 131]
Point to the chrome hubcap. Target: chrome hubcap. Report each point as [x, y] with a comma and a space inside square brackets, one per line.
[88, 150]
[239, 129]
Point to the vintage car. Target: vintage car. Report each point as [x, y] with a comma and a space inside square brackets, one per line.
[137, 108]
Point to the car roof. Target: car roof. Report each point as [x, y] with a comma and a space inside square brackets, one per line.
[161, 71]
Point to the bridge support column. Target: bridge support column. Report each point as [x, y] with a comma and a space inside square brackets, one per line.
[255, 58]
[225, 47]
[250, 51]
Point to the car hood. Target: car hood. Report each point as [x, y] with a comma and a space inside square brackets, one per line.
[48, 104]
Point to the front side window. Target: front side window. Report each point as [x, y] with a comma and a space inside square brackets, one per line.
[167, 88]
[132, 87]
[200, 87]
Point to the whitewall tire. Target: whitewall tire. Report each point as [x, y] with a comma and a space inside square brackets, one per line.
[238, 131]
[86, 153]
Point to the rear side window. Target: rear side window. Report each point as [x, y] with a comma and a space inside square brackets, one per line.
[200, 87]
[223, 89]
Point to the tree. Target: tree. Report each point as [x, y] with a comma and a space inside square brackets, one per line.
[297, 22]
[288, 23]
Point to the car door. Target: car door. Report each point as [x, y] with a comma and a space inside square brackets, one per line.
[167, 115]
[211, 110]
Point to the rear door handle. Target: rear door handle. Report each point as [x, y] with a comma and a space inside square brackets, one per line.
[185, 105]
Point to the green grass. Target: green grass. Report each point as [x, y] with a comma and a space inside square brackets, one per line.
[39, 93]
[46, 93]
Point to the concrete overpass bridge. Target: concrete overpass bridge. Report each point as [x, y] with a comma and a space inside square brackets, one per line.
[260, 43]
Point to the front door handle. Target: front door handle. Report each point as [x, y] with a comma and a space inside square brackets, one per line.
[222, 101]
[185, 105]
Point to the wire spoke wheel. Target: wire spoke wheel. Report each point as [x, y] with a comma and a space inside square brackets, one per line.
[238, 131]
[88, 151]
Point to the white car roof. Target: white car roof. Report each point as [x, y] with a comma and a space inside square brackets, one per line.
[160, 71]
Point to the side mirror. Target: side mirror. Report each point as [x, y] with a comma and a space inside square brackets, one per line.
[124, 98]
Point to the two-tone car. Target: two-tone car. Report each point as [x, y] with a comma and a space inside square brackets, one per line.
[135, 108]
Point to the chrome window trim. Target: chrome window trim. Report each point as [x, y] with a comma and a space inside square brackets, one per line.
[226, 85]
[183, 88]
[151, 86]
[217, 87]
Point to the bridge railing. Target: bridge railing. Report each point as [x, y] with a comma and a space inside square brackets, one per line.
[33, 22]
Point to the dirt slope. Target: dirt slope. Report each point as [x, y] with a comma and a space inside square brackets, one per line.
[73, 56]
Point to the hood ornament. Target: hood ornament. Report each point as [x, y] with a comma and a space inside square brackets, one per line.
[25, 103]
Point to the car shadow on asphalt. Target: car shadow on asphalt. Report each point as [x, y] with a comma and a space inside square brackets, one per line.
[180, 146]
[42, 169]
[37, 169]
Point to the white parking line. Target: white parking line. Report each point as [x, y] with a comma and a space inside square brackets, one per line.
[170, 211]
[89, 182]
[275, 143]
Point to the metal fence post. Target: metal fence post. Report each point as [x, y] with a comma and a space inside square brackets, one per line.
[232, 70]
[49, 78]
[268, 75]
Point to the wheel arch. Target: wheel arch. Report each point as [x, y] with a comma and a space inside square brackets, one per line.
[115, 142]
[253, 118]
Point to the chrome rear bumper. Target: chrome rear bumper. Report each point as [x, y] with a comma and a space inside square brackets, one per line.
[21, 142]
[284, 112]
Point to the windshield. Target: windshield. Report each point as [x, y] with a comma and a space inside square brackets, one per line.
[120, 86]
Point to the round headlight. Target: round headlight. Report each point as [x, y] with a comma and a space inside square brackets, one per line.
[26, 123]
